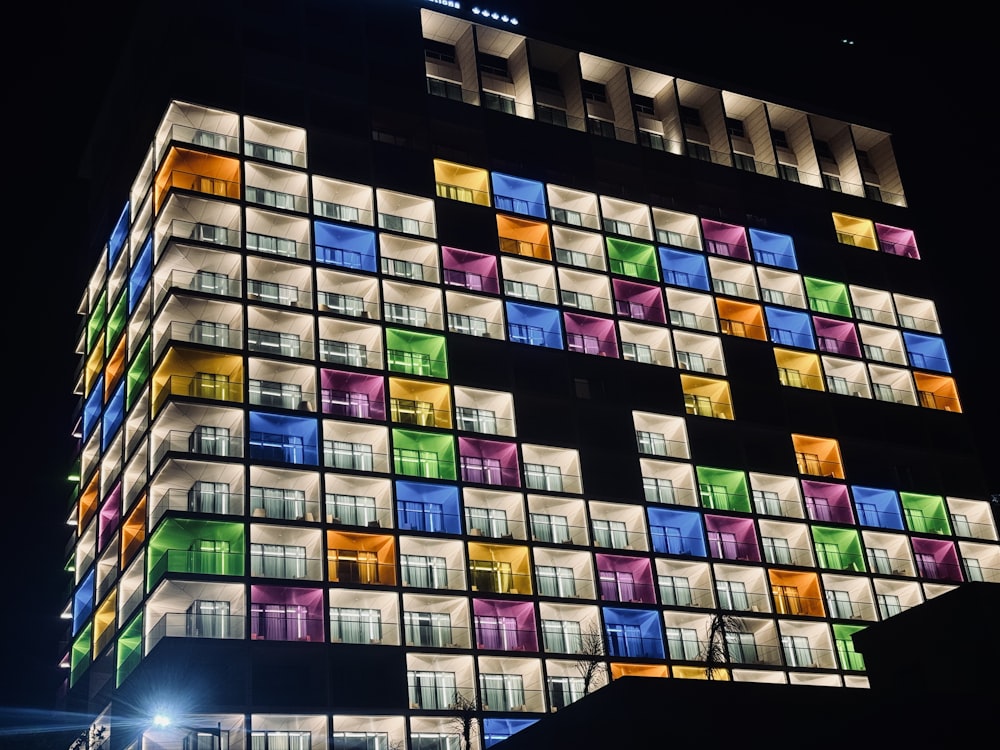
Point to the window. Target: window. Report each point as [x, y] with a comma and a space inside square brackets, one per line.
[594, 92]
[340, 212]
[766, 502]
[272, 446]
[496, 632]
[428, 628]
[773, 296]
[742, 648]
[690, 116]
[491, 575]
[207, 281]
[615, 226]
[429, 690]
[444, 89]
[354, 566]
[277, 561]
[600, 127]
[819, 508]
[403, 268]
[836, 384]
[502, 692]
[797, 651]
[549, 528]
[418, 515]
[682, 644]
[343, 353]
[744, 162]
[651, 443]
[543, 477]
[269, 291]
[207, 619]
[625, 640]
[724, 544]
[273, 198]
[579, 342]
[210, 441]
[669, 539]
[278, 502]
[927, 565]
[405, 314]
[476, 420]
[344, 304]
[274, 393]
[343, 455]
[360, 741]
[499, 102]
[487, 521]
[279, 622]
[574, 218]
[577, 299]
[714, 496]
[416, 463]
[878, 560]
[699, 151]
[839, 603]
[564, 690]
[637, 352]
[786, 600]
[732, 595]
[562, 636]
[550, 115]
[788, 173]
[423, 571]
[658, 490]
[692, 361]
[412, 363]
[401, 223]
[617, 585]
[830, 182]
[522, 290]
[353, 625]
[272, 342]
[652, 140]
[776, 550]
[525, 334]
[353, 510]
[207, 332]
[675, 591]
[481, 470]
[439, 51]
[555, 581]
[467, 324]
[610, 534]
[888, 605]
[829, 556]
[209, 497]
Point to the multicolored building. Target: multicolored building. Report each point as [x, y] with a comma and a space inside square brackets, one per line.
[503, 358]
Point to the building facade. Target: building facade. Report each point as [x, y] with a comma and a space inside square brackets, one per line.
[402, 404]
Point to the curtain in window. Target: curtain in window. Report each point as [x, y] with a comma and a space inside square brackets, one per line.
[562, 636]
[546, 528]
[279, 622]
[210, 441]
[610, 534]
[565, 690]
[617, 586]
[797, 651]
[209, 556]
[482, 470]
[675, 590]
[732, 595]
[428, 628]
[420, 516]
[501, 692]
[491, 575]
[723, 544]
[352, 625]
[496, 632]
[742, 648]
[208, 619]
[625, 640]
[430, 690]
[209, 497]
[280, 741]
[423, 571]
[489, 521]
[555, 581]
[353, 510]
[277, 560]
[682, 643]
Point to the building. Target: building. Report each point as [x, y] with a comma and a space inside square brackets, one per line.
[398, 394]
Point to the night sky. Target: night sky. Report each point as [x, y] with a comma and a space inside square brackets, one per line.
[916, 76]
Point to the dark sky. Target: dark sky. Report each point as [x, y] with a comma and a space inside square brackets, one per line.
[917, 76]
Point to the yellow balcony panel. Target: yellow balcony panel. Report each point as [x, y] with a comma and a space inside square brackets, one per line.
[799, 369]
[187, 169]
[852, 230]
[208, 375]
[640, 670]
[707, 397]
[420, 403]
[462, 183]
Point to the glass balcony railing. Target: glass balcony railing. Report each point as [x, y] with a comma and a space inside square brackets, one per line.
[205, 385]
[214, 444]
[275, 154]
[217, 335]
[220, 502]
[199, 137]
[193, 562]
[276, 199]
[266, 565]
[342, 212]
[274, 245]
[196, 625]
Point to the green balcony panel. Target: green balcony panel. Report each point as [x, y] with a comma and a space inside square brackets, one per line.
[723, 489]
[416, 353]
[98, 317]
[182, 546]
[138, 373]
[849, 658]
[79, 657]
[129, 651]
[422, 454]
[827, 296]
[925, 514]
[838, 549]
[116, 323]
[632, 259]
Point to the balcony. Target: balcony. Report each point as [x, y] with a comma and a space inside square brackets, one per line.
[194, 562]
[195, 500]
[203, 385]
[277, 294]
[280, 246]
[196, 625]
[217, 443]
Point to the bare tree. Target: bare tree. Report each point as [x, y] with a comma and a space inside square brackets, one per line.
[589, 663]
[90, 738]
[467, 710]
[717, 647]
